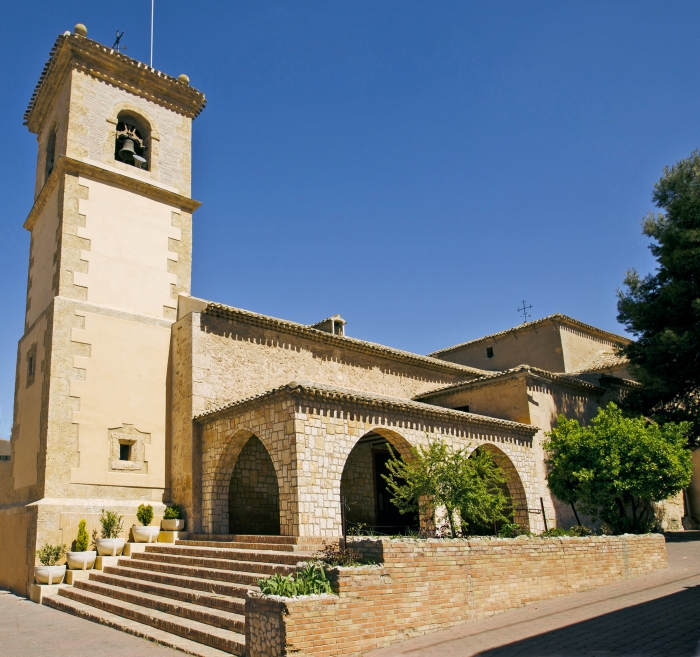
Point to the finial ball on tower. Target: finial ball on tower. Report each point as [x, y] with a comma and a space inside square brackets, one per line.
[80, 30]
[183, 78]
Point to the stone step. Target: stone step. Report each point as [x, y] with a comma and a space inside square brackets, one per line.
[139, 629]
[192, 611]
[279, 547]
[213, 600]
[266, 556]
[246, 538]
[261, 568]
[214, 637]
[202, 572]
[195, 583]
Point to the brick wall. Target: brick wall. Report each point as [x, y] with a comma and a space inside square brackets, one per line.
[423, 586]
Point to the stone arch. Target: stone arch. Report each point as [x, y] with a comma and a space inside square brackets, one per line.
[255, 484]
[515, 486]
[363, 492]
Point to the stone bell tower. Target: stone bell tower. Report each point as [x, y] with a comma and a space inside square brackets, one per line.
[110, 250]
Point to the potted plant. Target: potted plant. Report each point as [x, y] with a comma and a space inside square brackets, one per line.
[81, 558]
[109, 544]
[171, 519]
[49, 572]
[145, 534]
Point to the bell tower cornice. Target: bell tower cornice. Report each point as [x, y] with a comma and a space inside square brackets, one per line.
[75, 52]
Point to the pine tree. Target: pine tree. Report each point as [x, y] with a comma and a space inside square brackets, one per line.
[662, 310]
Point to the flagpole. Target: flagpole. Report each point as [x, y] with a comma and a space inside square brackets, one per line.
[152, 4]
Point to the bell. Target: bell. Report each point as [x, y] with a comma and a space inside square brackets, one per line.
[127, 150]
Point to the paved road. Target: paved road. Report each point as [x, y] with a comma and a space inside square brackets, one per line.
[656, 615]
[652, 616]
[31, 630]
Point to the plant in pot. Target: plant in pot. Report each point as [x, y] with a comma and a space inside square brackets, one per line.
[50, 572]
[110, 544]
[145, 533]
[81, 558]
[171, 519]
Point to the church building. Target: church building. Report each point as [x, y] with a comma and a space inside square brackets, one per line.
[130, 391]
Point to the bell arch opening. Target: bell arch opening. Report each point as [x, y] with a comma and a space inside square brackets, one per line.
[513, 489]
[364, 493]
[254, 500]
[132, 141]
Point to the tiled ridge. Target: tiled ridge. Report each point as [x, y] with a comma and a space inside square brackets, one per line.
[189, 596]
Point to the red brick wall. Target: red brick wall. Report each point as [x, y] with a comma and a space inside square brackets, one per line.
[422, 586]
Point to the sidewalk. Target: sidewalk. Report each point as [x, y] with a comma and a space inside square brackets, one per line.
[655, 615]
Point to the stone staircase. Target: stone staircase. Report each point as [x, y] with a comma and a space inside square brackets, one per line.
[189, 596]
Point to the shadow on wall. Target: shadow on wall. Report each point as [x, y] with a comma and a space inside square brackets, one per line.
[663, 627]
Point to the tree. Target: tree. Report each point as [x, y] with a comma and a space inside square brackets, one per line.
[470, 487]
[662, 310]
[615, 468]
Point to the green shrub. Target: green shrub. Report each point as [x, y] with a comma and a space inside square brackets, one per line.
[172, 512]
[81, 541]
[112, 524]
[145, 514]
[50, 555]
[333, 555]
[576, 530]
[511, 530]
[310, 580]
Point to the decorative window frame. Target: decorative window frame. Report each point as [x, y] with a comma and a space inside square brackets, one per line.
[128, 435]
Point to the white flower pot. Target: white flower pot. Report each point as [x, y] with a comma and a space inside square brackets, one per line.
[110, 547]
[176, 525]
[148, 534]
[81, 560]
[49, 574]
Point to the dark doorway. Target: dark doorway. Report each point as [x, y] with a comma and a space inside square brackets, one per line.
[389, 519]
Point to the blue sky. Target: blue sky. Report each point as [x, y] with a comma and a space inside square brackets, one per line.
[417, 167]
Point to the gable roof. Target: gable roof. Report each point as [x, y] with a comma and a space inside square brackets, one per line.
[340, 341]
[555, 319]
[515, 372]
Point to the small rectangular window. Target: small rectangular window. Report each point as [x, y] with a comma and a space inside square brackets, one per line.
[31, 364]
[124, 452]
[489, 352]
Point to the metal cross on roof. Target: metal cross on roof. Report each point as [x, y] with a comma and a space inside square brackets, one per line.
[524, 312]
[117, 44]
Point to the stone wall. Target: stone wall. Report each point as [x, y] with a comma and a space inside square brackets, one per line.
[423, 586]
[309, 432]
[357, 486]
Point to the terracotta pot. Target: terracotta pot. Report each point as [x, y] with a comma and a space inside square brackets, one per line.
[49, 574]
[81, 560]
[148, 534]
[176, 525]
[110, 547]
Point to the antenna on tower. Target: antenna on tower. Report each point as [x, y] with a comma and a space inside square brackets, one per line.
[153, 2]
[524, 312]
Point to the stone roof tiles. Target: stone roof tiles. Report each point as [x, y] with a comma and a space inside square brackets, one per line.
[520, 370]
[341, 341]
[557, 317]
[603, 362]
[311, 390]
